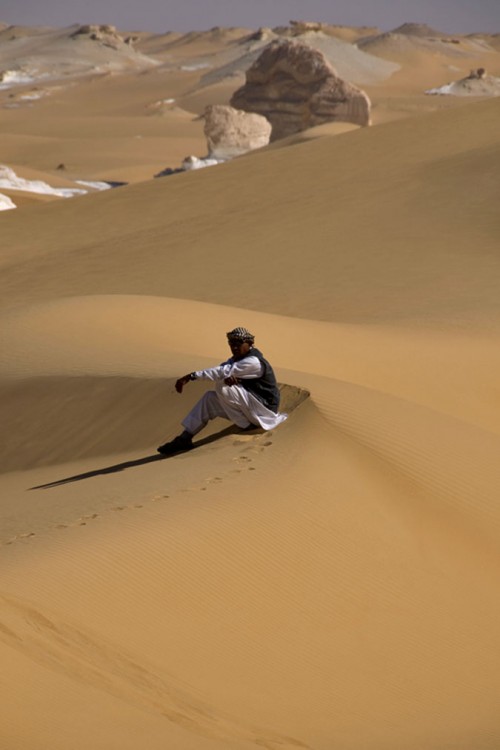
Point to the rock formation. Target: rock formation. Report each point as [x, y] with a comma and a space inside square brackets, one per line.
[477, 83]
[262, 34]
[477, 74]
[103, 33]
[230, 132]
[295, 88]
[302, 27]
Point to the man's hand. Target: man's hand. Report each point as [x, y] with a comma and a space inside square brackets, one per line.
[179, 385]
[231, 380]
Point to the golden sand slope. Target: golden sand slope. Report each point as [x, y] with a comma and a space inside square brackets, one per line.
[332, 584]
[104, 128]
[395, 223]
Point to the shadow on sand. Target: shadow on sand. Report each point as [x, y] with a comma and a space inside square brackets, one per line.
[136, 462]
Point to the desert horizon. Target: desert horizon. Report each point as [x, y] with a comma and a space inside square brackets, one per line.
[327, 583]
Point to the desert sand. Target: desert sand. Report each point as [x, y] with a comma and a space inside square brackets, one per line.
[333, 583]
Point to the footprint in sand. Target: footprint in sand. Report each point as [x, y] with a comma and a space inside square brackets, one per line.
[20, 536]
[242, 459]
[209, 480]
[81, 521]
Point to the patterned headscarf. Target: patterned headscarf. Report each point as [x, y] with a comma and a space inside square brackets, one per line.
[242, 334]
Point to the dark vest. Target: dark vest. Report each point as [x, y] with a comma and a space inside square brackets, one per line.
[264, 388]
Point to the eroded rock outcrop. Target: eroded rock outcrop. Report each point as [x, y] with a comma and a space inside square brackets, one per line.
[477, 83]
[262, 34]
[478, 74]
[295, 88]
[231, 132]
[302, 27]
[103, 33]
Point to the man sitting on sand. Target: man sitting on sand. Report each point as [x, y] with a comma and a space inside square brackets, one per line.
[246, 392]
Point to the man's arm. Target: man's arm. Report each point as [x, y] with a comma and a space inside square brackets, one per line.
[231, 372]
[181, 382]
[250, 367]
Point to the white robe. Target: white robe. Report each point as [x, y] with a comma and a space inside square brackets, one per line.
[231, 402]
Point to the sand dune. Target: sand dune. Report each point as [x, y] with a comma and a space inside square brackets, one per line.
[349, 62]
[396, 43]
[332, 583]
[429, 59]
[392, 271]
[55, 53]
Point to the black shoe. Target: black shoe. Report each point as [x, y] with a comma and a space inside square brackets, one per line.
[177, 445]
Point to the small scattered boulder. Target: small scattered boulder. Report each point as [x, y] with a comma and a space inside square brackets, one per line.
[302, 27]
[231, 132]
[169, 171]
[478, 74]
[194, 162]
[295, 88]
[103, 33]
[95, 29]
[262, 34]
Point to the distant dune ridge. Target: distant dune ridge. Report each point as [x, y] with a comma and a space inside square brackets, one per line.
[349, 61]
[54, 53]
[332, 583]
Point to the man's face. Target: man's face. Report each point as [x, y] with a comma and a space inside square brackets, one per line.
[239, 348]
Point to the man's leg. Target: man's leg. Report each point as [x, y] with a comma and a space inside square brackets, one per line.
[208, 407]
[227, 401]
[235, 402]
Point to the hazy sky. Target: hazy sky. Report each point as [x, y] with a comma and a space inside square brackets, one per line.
[453, 16]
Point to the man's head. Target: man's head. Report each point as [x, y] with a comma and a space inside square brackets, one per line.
[240, 341]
